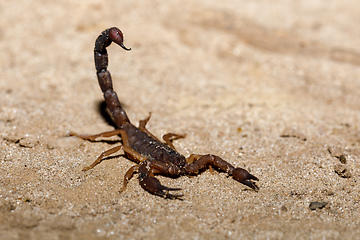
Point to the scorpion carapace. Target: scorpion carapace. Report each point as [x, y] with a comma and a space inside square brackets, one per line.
[152, 156]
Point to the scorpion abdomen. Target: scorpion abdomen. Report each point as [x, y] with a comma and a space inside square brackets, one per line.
[152, 148]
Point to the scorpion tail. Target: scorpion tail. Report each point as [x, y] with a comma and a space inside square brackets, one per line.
[104, 77]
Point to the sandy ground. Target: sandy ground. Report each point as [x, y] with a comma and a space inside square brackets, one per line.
[271, 86]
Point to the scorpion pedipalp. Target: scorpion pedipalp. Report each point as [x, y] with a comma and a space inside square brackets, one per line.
[244, 177]
[153, 186]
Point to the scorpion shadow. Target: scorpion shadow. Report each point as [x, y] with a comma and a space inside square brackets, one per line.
[103, 110]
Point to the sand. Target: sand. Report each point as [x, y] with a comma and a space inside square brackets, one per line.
[270, 86]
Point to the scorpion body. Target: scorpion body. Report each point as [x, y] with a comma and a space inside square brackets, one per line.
[152, 156]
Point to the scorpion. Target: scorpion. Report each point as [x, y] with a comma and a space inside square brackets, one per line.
[152, 156]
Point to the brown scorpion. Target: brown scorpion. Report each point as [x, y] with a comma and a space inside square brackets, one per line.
[152, 156]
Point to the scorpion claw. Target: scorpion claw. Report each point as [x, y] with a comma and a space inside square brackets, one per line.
[244, 177]
[251, 185]
[153, 186]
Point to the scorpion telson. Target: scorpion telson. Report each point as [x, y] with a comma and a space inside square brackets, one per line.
[152, 156]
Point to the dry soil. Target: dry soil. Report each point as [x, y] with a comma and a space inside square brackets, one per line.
[271, 86]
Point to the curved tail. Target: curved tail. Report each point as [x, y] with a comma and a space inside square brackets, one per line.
[104, 77]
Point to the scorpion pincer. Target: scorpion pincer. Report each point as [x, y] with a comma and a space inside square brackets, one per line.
[152, 156]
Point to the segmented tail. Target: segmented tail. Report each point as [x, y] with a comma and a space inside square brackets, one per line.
[104, 77]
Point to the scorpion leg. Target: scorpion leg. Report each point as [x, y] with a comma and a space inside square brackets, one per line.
[239, 174]
[128, 175]
[125, 147]
[95, 136]
[101, 157]
[169, 137]
[142, 127]
[152, 184]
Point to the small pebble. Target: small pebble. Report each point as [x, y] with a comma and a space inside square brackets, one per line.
[28, 142]
[317, 205]
[284, 208]
[342, 170]
[291, 133]
[342, 159]
[335, 151]
[12, 138]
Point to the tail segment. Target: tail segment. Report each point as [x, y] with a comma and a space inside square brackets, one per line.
[104, 77]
